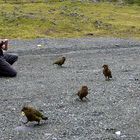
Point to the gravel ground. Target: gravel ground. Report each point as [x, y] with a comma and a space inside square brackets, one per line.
[113, 106]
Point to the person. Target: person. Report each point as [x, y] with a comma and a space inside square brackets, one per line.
[6, 61]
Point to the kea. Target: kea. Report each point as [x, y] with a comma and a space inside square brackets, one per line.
[32, 114]
[60, 61]
[107, 72]
[83, 92]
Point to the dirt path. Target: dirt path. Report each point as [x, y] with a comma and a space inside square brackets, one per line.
[113, 105]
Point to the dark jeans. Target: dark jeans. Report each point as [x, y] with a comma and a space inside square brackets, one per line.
[6, 61]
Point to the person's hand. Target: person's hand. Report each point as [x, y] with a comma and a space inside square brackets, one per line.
[5, 45]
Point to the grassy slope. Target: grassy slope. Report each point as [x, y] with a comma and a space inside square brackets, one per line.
[68, 19]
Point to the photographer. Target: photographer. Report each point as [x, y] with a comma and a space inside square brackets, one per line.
[6, 60]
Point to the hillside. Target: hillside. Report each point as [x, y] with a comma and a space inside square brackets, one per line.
[68, 19]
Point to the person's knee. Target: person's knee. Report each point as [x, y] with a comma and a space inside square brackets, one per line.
[13, 74]
[15, 57]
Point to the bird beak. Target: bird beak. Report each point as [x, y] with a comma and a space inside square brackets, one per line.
[22, 113]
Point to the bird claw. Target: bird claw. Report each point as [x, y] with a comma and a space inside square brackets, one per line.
[37, 124]
[25, 122]
[87, 98]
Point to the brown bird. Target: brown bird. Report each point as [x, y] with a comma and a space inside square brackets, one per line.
[60, 61]
[107, 72]
[32, 114]
[83, 92]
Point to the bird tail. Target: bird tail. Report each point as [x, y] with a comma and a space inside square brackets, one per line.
[44, 118]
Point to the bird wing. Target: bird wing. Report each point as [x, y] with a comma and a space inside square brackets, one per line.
[109, 73]
[78, 93]
[37, 113]
[104, 72]
[57, 61]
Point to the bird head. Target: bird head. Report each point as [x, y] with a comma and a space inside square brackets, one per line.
[105, 66]
[24, 108]
[64, 58]
[85, 88]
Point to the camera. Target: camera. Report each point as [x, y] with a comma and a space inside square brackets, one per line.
[3, 42]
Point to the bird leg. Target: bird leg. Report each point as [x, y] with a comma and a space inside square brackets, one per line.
[87, 98]
[106, 78]
[25, 122]
[38, 123]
